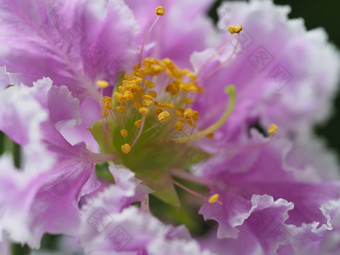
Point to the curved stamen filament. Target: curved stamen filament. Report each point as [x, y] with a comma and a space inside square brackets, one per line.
[211, 200]
[139, 132]
[224, 63]
[229, 90]
[145, 39]
[217, 53]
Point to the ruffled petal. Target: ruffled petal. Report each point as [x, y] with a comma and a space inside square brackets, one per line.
[74, 43]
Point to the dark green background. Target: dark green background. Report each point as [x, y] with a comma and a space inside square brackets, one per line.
[326, 14]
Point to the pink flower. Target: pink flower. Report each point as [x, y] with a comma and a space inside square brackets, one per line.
[150, 96]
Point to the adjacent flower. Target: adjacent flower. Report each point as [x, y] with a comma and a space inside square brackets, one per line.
[153, 117]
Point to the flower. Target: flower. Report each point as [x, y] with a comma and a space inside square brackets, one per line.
[156, 121]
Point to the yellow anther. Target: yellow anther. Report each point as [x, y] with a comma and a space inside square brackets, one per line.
[180, 111]
[214, 198]
[138, 123]
[119, 97]
[104, 113]
[169, 106]
[102, 84]
[173, 87]
[149, 61]
[158, 110]
[152, 93]
[149, 84]
[120, 109]
[129, 96]
[210, 136]
[189, 87]
[147, 102]
[272, 129]
[122, 89]
[139, 73]
[137, 104]
[144, 110]
[156, 69]
[106, 99]
[188, 101]
[109, 105]
[124, 132]
[164, 116]
[191, 114]
[234, 29]
[179, 125]
[147, 97]
[160, 11]
[230, 90]
[126, 148]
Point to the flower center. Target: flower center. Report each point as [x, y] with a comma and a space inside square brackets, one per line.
[150, 124]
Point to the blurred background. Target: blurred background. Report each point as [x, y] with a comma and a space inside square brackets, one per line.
[317, 13]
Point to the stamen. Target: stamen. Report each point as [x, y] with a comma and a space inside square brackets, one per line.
[179, 125]
[142, 122]
[102, 84]
[239, 29]
[212, 199]
[143, 110]
[126, 148]
[229, 90]
[272, 129]
[160, 11]
[164, 116]
[138, 123]
[124, 132]
[235, 29]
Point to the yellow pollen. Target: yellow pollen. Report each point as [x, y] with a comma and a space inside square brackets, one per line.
[104, 113]
[179, 125]
[149, 84]
[126, 148]
[124, 132]
[138, 123]
[147, 102]
[152, 93]
[109, 105]
[188, 101]
[234, 29]
[122, 89]
[143, 110]
[147, 97]
[160, 11]
[180, 111]
[158, 110]
[169, 106]
[214, 198]
[164, 116]
[190, 114]
[120, 109]
[272, 129]
[119, 97]
[137, 105]
[106, 99]
[129, 96]
[102, 84]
